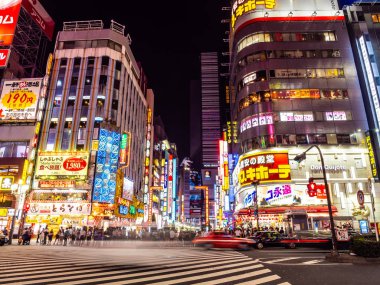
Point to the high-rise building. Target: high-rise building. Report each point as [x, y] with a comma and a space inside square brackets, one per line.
[294, 85]
[210, 108]
[95, 123]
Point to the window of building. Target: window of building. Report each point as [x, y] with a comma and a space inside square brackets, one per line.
[14, 149]
[375, 18]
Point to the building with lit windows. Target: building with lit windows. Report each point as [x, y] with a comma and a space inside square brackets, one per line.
[95, 123]
[294, 84]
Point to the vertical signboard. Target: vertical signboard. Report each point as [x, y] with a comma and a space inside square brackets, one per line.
[106, 166]
[170, 183]
[372, 155]
[4, 57]
[9, 11]
[125, 148]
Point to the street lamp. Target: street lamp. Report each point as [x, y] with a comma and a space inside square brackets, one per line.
[207, 205]
[302, 157]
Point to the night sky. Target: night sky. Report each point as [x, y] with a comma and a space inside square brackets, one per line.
[167, 38]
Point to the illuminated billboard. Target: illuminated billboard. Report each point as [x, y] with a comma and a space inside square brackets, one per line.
[264, 167]
[62, 164]
[106, 166]
[4, 57]
[19, 99]
[9, 11]
[59, 209]
[40, 16]
[125, 148]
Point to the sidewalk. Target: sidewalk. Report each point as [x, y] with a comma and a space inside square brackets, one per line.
[123, 244]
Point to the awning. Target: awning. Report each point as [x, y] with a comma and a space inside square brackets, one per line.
[290, 210]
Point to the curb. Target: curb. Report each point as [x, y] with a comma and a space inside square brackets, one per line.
[354, 259]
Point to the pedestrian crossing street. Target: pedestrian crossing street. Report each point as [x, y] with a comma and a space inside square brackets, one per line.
[70, 266]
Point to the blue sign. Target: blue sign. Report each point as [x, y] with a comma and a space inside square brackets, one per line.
[249, 199]
[106, 167]
[123, 210]
[364, 229]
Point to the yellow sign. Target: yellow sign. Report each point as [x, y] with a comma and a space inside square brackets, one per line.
[3, 212]
[241, 7]
[95, 145]
[17, 100]
[6, 182]
[371, 153]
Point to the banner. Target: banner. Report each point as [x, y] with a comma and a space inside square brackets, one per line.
[59, 208]
[18, 100]
[9, 11]
[62, 164]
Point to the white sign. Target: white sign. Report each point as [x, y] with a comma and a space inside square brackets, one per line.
[342, 235]
[19, 99]
[62, 164]
[127, 189]
[60, 209]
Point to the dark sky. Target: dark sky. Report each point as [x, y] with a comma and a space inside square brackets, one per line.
[167, 38]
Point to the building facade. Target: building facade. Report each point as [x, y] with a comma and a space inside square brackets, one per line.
[94, 124]
[294, 84]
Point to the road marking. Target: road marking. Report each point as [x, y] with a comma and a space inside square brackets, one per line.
[284, 283]
[260, 280]
[237, 277]
[281, 259]
[313, 261]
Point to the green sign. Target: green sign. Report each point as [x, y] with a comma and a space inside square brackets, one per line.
[132, 210]
[124, 141]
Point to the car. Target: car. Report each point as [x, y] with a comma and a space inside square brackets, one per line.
[222, 240]
[2, 239]
[271, 238]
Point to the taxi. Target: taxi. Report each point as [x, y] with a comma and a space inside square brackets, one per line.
[222, 240]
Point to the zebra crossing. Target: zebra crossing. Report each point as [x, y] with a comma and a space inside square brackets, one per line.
[70, 266]
[296, 260]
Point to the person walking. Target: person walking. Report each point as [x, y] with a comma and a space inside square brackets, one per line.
[50, 237]
[89, 236]
[57, 235]
[66, 235]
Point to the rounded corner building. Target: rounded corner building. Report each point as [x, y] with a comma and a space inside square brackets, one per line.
[294, 85]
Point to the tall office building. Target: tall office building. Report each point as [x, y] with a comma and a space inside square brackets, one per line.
[95, 123]
[210, 109]
[293, 85]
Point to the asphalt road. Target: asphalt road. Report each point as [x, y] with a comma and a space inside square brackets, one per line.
[174, 263]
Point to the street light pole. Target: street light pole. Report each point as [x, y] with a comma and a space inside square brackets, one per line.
[256, 206]
[302, 157]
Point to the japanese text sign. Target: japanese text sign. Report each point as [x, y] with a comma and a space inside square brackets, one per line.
[265, 167]
[18, 100]
[62, 164]
[59, 208]
[4, 56]
[240, 7]
[372, 155]
[9, 11]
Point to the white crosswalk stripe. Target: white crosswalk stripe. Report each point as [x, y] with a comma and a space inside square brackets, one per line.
[71, 266]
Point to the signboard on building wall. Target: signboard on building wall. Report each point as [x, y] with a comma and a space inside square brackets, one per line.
[372, 155]
[125, 148]
[40, 16]
[62, 164]
[106, 166]
[59, 208]
[19, 98]
[265, 167]
[127, 189]
[6, 182]
[4, 57]
[9, 11]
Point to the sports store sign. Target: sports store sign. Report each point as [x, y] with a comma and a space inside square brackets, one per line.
[19, 99]
[62, 164]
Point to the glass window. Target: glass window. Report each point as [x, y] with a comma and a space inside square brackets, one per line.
[320, 73]
[375, 18]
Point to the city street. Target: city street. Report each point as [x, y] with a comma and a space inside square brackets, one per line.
[122, 263]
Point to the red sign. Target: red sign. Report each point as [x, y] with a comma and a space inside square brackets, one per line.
[315, 190]
[9, 11]
[4, 56]
[265, 167]
[74, 164]
[360, 196]
[40, 16]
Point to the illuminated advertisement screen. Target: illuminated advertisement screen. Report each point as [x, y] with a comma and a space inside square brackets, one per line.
[62, 164]
[265, 167]
[19, 98]
[9, 11]
[106, 167]
[127, 189]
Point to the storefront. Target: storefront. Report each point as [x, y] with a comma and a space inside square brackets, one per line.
[291, 204]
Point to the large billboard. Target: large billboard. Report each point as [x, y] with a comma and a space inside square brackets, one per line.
[264, 167]
[19, 99]
[9, 11]
[40, 16]
[68, 208]
[106, 166]
[280, 9]
[62, 164]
